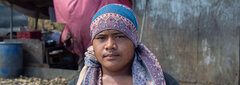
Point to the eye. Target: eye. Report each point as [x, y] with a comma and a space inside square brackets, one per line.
[100, 37]
[120, 36]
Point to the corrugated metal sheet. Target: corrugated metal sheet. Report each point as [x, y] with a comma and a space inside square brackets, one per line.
[196, 41]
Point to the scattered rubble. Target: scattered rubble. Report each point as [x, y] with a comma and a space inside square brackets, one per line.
[22, 80]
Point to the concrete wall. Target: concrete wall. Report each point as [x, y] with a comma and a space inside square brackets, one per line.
[49, 73]
[196, 41]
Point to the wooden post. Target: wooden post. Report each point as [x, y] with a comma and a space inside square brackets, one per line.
[36, 21]
[11, 21]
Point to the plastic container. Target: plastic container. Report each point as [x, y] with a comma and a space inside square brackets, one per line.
[11, 60]
[29, 35]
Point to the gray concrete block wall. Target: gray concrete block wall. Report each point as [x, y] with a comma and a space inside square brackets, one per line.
[196, 41]
[49, 73]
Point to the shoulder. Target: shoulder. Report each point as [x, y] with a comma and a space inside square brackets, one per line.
[169, 79]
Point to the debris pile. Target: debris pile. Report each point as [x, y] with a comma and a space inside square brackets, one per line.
[22, 80]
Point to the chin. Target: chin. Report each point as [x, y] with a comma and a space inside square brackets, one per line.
[112, 67]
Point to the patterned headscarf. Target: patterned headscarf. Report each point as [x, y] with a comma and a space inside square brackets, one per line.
[146, 69]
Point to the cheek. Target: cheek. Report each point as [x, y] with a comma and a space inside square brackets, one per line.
[97, 50]
[127, 49]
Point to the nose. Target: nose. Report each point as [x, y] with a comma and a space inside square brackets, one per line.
[110, 44]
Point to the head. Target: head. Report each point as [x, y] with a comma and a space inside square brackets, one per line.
[114, 36]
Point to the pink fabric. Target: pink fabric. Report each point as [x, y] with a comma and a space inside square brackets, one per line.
[77, 15]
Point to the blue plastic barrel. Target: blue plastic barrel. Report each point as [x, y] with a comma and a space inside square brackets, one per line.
[11, 60]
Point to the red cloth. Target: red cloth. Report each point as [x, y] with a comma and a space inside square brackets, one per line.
[77, 15]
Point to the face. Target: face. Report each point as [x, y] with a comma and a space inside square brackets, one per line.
[113, 50]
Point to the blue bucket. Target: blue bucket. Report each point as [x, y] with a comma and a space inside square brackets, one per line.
[11, 60]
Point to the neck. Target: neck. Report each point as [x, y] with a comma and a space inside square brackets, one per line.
[123, 72]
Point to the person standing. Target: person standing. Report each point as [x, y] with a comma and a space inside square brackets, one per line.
[116, 57]
[77, 15]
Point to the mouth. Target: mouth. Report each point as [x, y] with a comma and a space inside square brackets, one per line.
[111, 56]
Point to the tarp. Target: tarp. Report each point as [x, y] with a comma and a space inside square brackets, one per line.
[31, 7]
[77, 15]
[18, 18]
